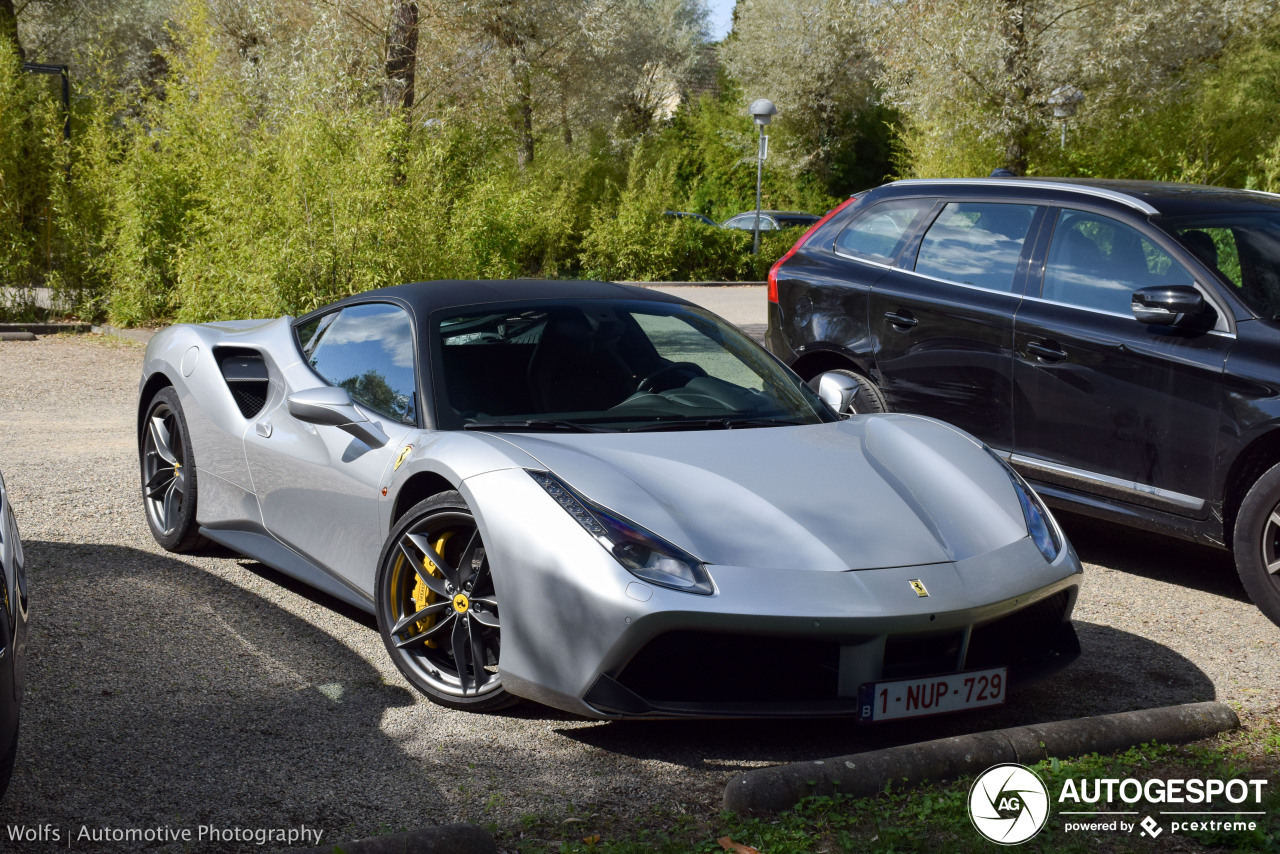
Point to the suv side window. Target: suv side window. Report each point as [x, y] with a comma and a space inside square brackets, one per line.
[976, 244]
[1097, 262]
[368, 350]
[877, 233]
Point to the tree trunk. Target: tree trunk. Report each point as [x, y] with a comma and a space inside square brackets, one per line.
[564, 122]
[1018, 68]
[9, 28]
[402, 53]
[524, 115]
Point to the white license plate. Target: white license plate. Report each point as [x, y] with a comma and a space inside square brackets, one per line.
[934, 695]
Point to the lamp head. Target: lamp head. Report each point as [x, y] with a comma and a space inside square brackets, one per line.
[763, 111]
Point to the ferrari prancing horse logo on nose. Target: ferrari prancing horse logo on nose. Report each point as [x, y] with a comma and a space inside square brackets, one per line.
[918, 586]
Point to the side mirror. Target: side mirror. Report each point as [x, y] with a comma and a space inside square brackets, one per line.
[1166, 305]
[837, 390]
[332, 406]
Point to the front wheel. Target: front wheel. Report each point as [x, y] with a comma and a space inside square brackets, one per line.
[437, 608]
[1257, 544]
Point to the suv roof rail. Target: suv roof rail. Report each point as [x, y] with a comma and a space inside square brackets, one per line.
[1085, 189]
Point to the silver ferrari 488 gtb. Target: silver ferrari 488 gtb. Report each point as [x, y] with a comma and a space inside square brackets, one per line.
[607, 500]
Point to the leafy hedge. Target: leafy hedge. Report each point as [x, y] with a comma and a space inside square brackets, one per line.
[211, 200]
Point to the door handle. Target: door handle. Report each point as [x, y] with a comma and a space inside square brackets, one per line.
[1047, 351]
[263, 428]
[903, 320]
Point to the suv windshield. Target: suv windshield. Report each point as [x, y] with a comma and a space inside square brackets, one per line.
[596, 365]
[1244, 248]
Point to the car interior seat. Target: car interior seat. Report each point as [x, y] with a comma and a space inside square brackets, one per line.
[576, 366]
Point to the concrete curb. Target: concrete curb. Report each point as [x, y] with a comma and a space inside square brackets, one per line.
[43, 328]
[781, 787]
[445, 839]
[139, 334]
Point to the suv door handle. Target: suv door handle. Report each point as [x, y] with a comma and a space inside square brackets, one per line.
[1048, 351]
[903, 320]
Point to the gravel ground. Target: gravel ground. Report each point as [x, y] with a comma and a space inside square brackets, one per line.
[180, 692]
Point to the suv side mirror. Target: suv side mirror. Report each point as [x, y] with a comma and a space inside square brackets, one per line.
[837, 390]
[332, 406]
[1166, 305]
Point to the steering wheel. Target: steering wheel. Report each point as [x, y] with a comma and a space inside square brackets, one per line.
[648, 383]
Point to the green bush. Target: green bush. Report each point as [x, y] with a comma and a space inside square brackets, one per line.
[31, 159]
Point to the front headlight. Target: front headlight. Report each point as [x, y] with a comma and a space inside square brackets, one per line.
[643, 553]
[1040, 524]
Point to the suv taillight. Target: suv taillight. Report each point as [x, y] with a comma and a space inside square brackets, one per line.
[773, 271]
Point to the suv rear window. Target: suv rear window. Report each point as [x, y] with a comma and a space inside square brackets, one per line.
[976, 244]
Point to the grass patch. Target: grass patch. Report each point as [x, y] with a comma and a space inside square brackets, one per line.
[934, 817]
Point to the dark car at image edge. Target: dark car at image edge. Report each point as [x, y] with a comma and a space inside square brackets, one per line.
[13, 634]
[1117, 341]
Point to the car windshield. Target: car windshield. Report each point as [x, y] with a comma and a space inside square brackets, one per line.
[596, 365]
[1244, 248]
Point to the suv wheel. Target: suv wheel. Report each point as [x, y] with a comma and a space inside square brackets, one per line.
[1257, 543]
[869, 398]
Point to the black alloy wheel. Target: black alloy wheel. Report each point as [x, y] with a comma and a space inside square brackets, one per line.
[437, 607]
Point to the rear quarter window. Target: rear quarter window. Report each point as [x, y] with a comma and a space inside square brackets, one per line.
[878, 233]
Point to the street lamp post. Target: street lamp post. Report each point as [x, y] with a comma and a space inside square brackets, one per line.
[1064, 101]
[763, 111]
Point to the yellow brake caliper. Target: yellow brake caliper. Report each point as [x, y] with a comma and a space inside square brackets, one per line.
[424, 595]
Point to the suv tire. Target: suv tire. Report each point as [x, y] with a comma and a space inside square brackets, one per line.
[1257, 543]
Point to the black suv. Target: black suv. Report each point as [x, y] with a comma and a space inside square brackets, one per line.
[1117, 341]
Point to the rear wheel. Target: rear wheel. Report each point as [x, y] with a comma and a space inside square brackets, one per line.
[437, 608]
[1257, 543]
[869, 398]
[169, 475]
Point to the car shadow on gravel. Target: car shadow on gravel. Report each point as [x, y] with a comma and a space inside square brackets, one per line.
[1116, 672]
[160, 694]
[1148, 555]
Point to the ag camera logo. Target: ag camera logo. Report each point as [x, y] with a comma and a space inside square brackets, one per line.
[1008, 804]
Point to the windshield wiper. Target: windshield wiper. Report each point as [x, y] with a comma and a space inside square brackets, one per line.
[727, 423]
[538, 424]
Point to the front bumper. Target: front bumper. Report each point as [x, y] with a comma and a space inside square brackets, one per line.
[582, 634]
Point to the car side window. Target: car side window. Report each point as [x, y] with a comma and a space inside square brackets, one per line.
[877, 233]
[976, 244]
[1098, 262]
[368, 350]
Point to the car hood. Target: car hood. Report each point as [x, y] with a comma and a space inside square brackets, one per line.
[871, 492]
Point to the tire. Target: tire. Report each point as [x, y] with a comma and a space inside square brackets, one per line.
[169, 487]
[1256, 543]
[6, 763]
[433, 567]
[869, 398]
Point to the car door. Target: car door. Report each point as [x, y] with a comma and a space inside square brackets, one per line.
[1105, 404]
[318, 486]
[942, 320]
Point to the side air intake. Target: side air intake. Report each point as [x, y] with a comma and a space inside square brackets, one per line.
[246, 376]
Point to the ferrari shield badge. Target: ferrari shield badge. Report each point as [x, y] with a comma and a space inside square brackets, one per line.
[918, 586]
[403, 456]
